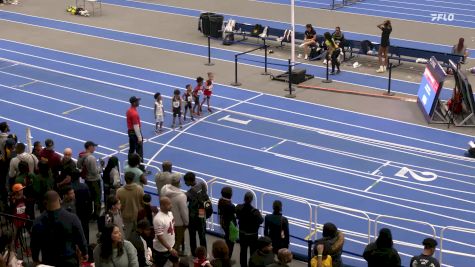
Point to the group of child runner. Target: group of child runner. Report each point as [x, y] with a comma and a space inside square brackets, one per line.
[190, 101]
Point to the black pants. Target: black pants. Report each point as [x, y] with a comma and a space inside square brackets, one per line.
[84, 218]
[188, 106]
[134, 145]
[334, 58]
[247, 241]
[197, 225]
[96, 195]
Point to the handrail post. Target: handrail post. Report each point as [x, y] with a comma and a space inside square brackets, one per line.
[236, 83]
[327, 79]
[290, 95]
[389, 93]
[265, 58]
[209, 52]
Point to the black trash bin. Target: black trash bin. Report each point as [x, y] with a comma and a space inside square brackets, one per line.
[203, 23]
[215, 25]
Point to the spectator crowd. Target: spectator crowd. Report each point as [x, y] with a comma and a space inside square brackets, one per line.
[55, 198]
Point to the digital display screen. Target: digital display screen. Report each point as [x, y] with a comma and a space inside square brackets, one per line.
[430, 86]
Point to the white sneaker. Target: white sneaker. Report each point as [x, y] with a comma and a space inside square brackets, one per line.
[380, 70]
[306, 57]
[324, 62]
[299, 56]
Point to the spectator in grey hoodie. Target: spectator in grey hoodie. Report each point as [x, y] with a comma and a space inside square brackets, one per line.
[179, 208]
[164, 177]
[4, 129]
[21, 155]
[91, 173]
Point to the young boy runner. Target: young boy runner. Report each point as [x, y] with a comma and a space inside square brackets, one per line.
[208, 90]
[196, 94]
[159, 112]
[188, 98]
[176, 107]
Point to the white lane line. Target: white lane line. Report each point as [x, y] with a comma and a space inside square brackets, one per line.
[71, 110]
[382, 166]
[185, 129]
[274, 146]
[320, 148]
[301, 180]
[242, 89]
[25, 84]
[374, 184]
[228, 118]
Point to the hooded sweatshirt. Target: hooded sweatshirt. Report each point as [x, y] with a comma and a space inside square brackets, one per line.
[89, 161]
[53, 159]
[29, 158]
[179, 206]
[130, 196]
[3, 139]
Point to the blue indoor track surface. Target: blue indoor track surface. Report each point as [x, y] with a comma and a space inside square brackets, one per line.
[298, 152]
[143, 5]
[462, 12]
[348, 77]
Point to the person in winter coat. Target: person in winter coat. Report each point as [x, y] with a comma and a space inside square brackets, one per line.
[179, 208]
[130, 196]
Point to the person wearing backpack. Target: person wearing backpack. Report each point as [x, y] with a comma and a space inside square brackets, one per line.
[250, 219]
[91, 173]
[199, 206]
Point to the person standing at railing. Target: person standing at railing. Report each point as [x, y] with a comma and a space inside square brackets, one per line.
[250, 219]
[67, 163]
[130, 196]
[335, 240]
[4, 132]
[381, 252]
[83, 199]
[276, 227]
[196, 195]
[50, 156]
[383, 51]
[426, 258]
[164, 177]
[63, 232]
[227, 216]
[91, 173]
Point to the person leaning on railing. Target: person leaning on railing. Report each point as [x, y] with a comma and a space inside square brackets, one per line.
[335, 239]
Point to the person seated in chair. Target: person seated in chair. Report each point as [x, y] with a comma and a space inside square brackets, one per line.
[310, 39]
[460, 49]
[338, 36]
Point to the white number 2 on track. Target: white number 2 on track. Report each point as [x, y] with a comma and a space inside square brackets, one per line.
[419, 176]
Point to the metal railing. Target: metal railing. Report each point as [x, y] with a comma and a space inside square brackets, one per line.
[341, 208]
[21, 235]
[453, 228]
[211, 194]
[295, 199]
[376, 221]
